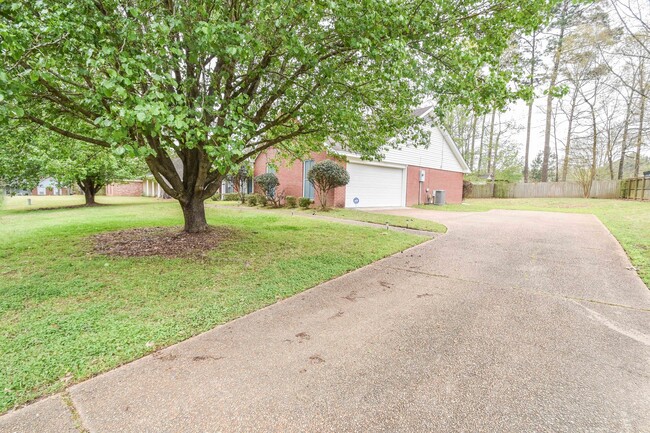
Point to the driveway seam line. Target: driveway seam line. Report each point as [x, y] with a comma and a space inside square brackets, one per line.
[74, 412]
[539, 292]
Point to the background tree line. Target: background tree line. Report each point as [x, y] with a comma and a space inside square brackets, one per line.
[588, 73]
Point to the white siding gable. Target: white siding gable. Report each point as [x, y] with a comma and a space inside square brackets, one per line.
[438, 154]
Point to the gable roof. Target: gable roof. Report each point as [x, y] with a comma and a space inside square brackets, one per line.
[419, 155]
[423, 112]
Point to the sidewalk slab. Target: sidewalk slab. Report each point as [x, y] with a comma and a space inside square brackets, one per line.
[50, 415]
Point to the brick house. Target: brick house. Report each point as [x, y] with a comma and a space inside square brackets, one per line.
[50, 186]
[127, 188]
[406, 176]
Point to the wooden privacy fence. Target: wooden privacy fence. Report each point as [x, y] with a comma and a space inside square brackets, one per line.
[637, 188]
[599, 189]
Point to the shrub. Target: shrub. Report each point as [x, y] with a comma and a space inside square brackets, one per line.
[268, 183]
[239, 179]
[291, 201]
[278, 198]
[232, 196]
[215, 197]
[262, 200]
[251, 199]
[305, 202]
[325, 176]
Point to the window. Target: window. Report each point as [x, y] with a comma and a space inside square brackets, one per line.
[308, 187]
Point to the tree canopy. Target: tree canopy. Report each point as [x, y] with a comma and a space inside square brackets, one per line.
[214, 83]
[28, 156]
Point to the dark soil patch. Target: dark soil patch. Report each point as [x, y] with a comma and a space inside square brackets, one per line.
[160, 241]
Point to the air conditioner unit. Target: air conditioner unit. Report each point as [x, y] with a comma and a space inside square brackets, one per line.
[421, 175]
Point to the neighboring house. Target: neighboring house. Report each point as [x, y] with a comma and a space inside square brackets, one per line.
[227, 187]
[151, 188]
[126, 188]
[146, 187]
[50, 186]
[406, 176]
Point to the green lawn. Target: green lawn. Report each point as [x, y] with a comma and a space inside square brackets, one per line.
[46, 202]
[67, 313]
[357, 215]
[629, 221]
[379, 218]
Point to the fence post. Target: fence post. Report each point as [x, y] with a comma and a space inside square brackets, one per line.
[629, 188]
[643, 190]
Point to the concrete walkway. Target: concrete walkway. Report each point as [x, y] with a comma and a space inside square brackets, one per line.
[512, 321]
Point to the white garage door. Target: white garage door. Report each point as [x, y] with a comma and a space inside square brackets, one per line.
[374, 186]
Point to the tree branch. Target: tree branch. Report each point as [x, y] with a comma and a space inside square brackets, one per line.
[68, 134]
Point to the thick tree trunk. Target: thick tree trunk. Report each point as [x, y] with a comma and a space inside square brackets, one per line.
[610, 153]
[594, 145]
[471, 152]
[89, 188]
[89, 195]
[491, 143]
[194, 215]
[527, 152]
[557, 56]
[191, 182]
[496, 153]
[567, 145]
[530, 108]
[480, 149]
[557, 161]
[626, 127]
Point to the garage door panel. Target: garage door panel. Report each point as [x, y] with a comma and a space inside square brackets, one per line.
[374, 186]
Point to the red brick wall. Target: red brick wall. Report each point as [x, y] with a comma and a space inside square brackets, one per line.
[450, 181]
[129, 189]
[291, 180]
[290, 175]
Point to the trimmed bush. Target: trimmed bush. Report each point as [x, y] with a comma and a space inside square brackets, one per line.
[305, 202]
[215, 197]
[251, 199]
[291, 201]
[325, 176]
[231, 196]
[268, 183]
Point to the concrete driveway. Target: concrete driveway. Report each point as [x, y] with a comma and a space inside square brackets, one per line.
[512, 321]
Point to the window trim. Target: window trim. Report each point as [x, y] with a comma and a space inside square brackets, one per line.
[304, 178]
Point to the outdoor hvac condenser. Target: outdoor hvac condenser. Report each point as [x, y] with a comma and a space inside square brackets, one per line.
[440, 197]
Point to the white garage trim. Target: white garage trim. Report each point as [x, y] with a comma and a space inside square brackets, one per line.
[366, 179]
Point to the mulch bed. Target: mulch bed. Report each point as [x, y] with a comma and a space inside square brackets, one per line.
[160, 241]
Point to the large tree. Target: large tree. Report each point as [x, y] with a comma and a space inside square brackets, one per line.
[29, 154]
[213, 83]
